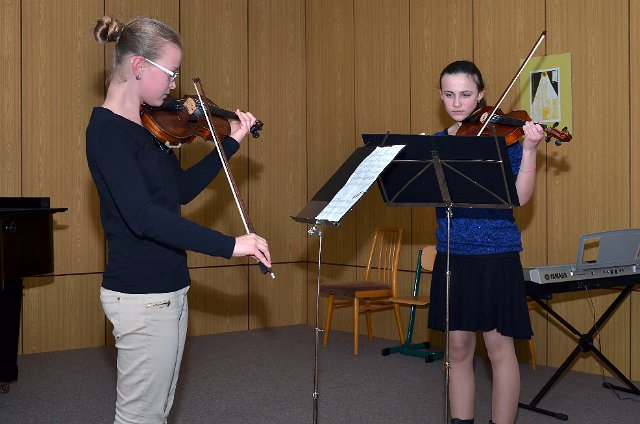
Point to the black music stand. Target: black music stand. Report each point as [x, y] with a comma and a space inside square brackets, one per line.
[459, 172]
[309, 214]
[358, 172]
[450, 172]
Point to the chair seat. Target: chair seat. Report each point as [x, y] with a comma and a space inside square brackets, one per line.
[369, 292]
[351, 288]
[412, 300]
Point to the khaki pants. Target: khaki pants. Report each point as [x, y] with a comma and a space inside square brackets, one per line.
[150, 331]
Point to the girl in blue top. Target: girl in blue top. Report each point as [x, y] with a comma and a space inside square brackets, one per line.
[487, 291]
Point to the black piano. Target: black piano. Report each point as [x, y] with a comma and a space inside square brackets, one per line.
[26, 249]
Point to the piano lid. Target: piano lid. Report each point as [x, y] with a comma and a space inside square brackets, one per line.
[26, 205]
[26, 237]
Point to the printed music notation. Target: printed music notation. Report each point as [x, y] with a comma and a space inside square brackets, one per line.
[359, 182]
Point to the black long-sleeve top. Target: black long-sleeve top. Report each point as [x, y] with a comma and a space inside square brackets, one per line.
[141, 187]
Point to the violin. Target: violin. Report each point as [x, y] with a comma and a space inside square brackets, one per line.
[510, 125]
[178, 121]
[507, 125]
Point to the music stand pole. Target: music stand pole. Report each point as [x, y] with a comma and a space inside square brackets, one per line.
[314, 231]
[330, 205]
[447, 363]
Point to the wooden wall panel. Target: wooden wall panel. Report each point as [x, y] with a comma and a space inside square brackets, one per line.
[382, 103]
[11, 104]
[593, 182]
[634, 159]
[62, 312]
[218, 300]
[222, 68]
[498, 52]
[125, 10]
[277, 93]
[330, 114]
[279, 302]
[10, 128]
[634, 107]
[435, 42]
[589, 177]
[58, 62]
[499, 49]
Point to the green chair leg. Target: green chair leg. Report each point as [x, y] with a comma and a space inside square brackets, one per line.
[420, 350]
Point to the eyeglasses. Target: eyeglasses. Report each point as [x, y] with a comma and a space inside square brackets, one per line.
[171, 74]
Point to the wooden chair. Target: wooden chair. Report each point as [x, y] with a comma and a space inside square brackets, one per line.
[426, 258]
[373, 293]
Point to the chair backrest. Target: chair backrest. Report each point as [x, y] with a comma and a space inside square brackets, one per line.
[384, 256]
[428, 257]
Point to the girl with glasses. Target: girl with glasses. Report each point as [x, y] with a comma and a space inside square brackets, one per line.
[141, 187]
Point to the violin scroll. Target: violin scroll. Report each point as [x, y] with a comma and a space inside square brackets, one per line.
[561, 136]
[256, 128]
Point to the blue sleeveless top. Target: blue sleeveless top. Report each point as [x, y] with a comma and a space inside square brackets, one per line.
[481, 231]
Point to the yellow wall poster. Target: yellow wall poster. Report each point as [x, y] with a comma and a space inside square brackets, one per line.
[545, 90]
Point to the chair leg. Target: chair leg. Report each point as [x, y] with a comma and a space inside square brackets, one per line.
[356, 324]
[532, 352]
[396, 311]
[369, 328]
[327, 320]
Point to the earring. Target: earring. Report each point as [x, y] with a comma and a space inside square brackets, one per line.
[138, 77]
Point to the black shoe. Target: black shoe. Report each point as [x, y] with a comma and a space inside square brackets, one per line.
[459, 421]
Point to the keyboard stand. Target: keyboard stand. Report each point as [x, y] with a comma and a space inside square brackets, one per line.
[585, 344]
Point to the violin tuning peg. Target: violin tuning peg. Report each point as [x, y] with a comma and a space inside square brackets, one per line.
[558, 142]
[564, 129]
[547, 138]
[555, 124]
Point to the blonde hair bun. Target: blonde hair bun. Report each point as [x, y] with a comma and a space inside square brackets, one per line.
[107, 30]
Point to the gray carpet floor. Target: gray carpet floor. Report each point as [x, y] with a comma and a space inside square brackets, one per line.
[266, 376]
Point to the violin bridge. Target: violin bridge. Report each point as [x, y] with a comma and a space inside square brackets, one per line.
[191, 106]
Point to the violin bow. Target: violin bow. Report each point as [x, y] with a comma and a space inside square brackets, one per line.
[544, 34]
[248, 226]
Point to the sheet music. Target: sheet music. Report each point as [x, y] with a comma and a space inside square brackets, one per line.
[359, 182]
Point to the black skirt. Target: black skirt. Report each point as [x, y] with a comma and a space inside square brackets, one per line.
[487, 292]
